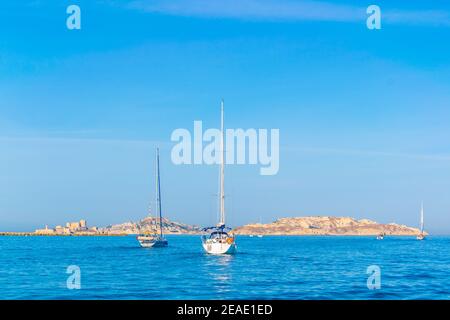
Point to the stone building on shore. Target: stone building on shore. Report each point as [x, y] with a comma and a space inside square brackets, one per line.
[79, 227]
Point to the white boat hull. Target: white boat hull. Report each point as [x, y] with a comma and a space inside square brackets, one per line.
[420, 237]
[219, 248]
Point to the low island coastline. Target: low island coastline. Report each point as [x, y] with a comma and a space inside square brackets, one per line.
[296, 226]
[326, 226]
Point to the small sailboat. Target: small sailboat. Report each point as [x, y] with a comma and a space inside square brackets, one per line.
[150, 240]
[219, 241]
[421, 235]
[260, 222]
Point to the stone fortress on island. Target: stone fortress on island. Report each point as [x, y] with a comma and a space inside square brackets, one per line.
[70, 228]
[146, 225]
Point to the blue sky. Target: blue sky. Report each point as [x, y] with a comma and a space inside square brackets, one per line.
[363, 115]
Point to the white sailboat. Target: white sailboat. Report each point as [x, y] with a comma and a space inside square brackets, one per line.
[150, 240]
[421, 235]
[260, 222]
[219, 241]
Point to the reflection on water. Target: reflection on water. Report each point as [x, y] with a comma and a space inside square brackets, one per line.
[219, 269]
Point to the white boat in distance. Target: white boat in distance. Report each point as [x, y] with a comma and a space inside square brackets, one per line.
[153, 240]
[421, 235]
[219, 241]
[260, 222]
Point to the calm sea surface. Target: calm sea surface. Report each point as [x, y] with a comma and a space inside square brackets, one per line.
[263, 268]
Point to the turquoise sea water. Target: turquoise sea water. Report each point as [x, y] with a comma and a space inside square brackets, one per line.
[263, 268]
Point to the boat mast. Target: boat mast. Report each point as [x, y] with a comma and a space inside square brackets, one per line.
[222, 169]
[158, 192]
[421, 218]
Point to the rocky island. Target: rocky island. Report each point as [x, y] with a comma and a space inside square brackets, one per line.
[150, 224]
[320, 225]
[312, 225]
[80, 228]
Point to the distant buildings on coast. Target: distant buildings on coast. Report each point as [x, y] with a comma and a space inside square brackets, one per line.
[79, 227]
[146, 225]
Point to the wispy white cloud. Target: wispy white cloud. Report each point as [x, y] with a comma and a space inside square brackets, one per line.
[426, 17]
[63, 139]
[369, 153]
[253, 9]
[305, 10]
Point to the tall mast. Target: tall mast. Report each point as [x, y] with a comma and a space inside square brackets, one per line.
[158, 192]
[222, 168]
[421, 218]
